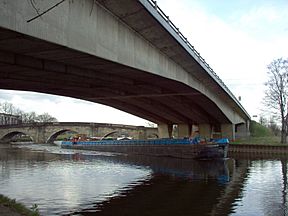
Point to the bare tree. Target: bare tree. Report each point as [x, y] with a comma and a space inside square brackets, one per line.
[31, 117]
[263, 120]
[277, 92]
[273, 126]
[7, 108]
[45, 117]
[151, 124]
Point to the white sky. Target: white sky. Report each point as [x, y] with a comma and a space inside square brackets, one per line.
[238, 39]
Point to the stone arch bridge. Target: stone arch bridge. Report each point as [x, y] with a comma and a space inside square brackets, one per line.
[48, 132]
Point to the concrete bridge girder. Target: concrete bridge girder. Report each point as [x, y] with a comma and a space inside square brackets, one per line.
[126, 49]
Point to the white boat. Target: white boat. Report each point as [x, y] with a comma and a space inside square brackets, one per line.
[58, 142]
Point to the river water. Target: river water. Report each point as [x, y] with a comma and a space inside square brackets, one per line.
[70, 182]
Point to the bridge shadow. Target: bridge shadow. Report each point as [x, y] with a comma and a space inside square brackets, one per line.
[16, 136]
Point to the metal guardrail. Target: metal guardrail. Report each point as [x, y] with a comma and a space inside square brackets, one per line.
[191, 47]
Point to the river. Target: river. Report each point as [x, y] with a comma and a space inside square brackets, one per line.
[70, 182]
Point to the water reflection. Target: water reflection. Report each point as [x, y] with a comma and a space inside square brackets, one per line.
[265, 191]
[58, 184]
[219, 170]
[284, 188]
[73, 182]
[176, 187]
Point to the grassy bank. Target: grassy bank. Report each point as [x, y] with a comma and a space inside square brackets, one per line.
[260, 135]
[18, 207]
[273, 141]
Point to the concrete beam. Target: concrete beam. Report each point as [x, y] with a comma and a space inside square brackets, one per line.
[205, 130]
[242, 130]
[184, 130]
[228, 131]
[114, 41]
[165, 130]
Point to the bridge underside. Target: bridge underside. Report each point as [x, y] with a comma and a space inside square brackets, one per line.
[30, 64]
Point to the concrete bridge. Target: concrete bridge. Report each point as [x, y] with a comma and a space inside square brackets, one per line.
[126, 54]
[48, 132]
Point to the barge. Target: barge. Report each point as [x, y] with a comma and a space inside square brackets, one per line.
[181, 148]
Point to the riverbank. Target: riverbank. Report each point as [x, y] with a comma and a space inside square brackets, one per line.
[9, 207]
[264, 144]
[259, 140]
[258, 148]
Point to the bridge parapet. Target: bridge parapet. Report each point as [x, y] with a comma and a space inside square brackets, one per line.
[185, 43]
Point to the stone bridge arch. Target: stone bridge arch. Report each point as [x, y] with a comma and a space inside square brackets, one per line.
[54, 136]
[52, 131]
[8, 135]
[47, 132]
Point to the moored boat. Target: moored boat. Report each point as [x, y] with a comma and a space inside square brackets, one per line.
[183, 148]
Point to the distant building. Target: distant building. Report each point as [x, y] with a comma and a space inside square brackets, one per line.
[8, 119]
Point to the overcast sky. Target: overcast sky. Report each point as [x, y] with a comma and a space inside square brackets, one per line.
[238, 39]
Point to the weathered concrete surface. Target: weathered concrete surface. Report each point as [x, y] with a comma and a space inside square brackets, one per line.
[47, 132]
[228, 130]
[165, 130]
[205, 130]
[184, 130]
[116, 53]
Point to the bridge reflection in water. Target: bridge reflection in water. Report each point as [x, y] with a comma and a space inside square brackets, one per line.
[176, 187]
[171, 186]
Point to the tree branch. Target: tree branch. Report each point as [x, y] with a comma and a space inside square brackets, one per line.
[46, 11]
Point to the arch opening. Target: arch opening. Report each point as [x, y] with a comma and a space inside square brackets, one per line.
[153, 136]
[16, 137]
[61, 135]
[117, 134]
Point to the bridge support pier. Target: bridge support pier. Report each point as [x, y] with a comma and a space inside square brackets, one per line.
[242, 130]
[40, 135]
[184, 130]
[228, 131]
[205, 130]
[165, 130]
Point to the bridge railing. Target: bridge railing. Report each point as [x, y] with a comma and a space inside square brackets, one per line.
[191, 47]
[84, 124]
